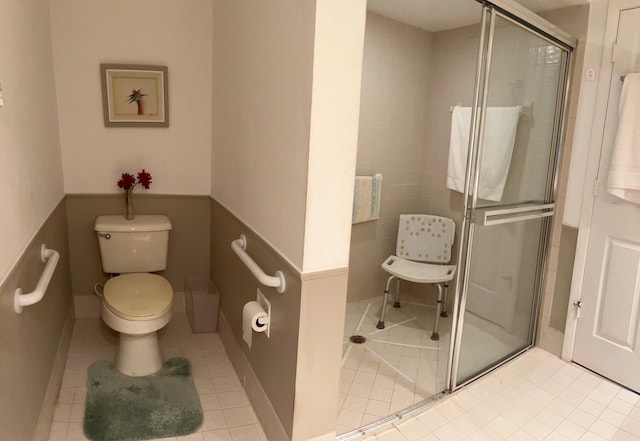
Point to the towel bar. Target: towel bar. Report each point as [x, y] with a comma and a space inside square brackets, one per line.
[20, 300]
[239, 246]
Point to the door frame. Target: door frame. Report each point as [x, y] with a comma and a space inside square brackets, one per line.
[607, 37]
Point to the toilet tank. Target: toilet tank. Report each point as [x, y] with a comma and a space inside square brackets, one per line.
[133, 246]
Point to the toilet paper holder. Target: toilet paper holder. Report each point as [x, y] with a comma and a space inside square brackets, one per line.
[266, 305]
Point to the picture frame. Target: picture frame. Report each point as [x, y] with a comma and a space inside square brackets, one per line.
[135, 95]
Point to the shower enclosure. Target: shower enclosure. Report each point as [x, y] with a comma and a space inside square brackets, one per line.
[505, 243]
[522, 62]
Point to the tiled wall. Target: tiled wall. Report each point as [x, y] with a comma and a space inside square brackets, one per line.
[453, 68]
[392, 141]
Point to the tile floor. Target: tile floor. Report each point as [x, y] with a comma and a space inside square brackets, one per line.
[396, 367]
[535, 397]
[228, 416]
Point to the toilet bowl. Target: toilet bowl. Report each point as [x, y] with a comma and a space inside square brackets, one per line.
[137, 306]
[136, 303]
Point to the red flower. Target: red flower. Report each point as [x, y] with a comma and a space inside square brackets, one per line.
[127, 181]
[144, 178]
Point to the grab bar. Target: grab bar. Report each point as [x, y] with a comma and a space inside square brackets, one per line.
[277, 281]
[49, 256]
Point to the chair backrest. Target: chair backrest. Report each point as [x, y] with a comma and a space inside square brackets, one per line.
[425, 238]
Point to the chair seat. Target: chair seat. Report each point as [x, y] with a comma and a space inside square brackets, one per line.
[418, 272]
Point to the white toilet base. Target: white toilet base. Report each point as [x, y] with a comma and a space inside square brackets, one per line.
[138, 355]
[138, 352]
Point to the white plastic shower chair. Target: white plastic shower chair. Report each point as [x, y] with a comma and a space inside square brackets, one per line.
[423, 250]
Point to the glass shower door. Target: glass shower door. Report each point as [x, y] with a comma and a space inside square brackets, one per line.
[510, 194]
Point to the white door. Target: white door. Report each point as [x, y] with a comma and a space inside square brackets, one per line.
[608, 332]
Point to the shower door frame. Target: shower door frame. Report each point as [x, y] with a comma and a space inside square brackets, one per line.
[525, 19]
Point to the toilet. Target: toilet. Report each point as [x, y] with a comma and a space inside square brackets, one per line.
[135, 303]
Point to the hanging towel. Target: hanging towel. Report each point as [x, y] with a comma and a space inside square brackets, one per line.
[499, 137]
[366, 198]
[624, 170]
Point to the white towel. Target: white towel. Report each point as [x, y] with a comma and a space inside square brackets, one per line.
[624, 170]
[499, 137]
[366, 198]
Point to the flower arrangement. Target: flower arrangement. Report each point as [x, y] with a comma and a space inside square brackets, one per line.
[127, 182]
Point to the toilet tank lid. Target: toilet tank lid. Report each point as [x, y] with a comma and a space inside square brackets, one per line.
[142, 222]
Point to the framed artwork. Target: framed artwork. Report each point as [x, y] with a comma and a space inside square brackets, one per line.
[134, 95]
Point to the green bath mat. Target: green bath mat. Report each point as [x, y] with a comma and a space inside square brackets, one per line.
[121, 408]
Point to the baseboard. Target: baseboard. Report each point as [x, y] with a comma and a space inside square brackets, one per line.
[259, 400]
[89, 306]
[43, 426]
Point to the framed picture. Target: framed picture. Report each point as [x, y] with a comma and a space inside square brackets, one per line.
[134, 95]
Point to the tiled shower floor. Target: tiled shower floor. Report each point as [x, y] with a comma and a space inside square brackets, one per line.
[228, 416]
[396, 367]
[536, 397]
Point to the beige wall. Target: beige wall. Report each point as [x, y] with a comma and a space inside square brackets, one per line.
[30, 340]
[555, 298]
[188, 253]
[337, 73]
[274, 359]
[285, 107]
[32, 214]
[453, 67]
[261, 116]
[260, 147]
[30, 163]
[163, 32]
[392, 141]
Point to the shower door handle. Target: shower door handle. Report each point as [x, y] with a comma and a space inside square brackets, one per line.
[496, 216]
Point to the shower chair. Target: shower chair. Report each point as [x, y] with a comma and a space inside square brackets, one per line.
[423, 251]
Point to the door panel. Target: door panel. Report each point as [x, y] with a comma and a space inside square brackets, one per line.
[508, 232]
[617, 304]
[607, 330]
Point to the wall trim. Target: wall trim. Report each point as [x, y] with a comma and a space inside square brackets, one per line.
[137, 195]
[257, 396]
[43, 426]
[324, 273]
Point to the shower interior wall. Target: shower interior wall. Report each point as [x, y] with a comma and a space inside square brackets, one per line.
[410, 79]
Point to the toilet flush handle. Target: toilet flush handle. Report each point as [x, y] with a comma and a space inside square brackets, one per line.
[105, 235]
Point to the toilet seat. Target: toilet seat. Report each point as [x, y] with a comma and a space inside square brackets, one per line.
[138, 296]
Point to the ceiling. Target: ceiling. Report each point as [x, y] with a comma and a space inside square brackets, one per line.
[438, 15]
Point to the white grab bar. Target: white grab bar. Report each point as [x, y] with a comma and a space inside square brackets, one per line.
[49, 256]
[277, 281]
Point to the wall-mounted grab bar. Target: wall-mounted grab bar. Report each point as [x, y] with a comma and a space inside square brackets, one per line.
[20, 300]
[239, 246]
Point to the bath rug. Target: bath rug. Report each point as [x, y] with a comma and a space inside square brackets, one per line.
[121, 408]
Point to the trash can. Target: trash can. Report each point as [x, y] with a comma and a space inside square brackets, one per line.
[202, 302]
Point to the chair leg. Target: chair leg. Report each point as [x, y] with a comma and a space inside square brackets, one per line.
[396, 303]
[380, 324]
[436, 336]
[444, 312]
